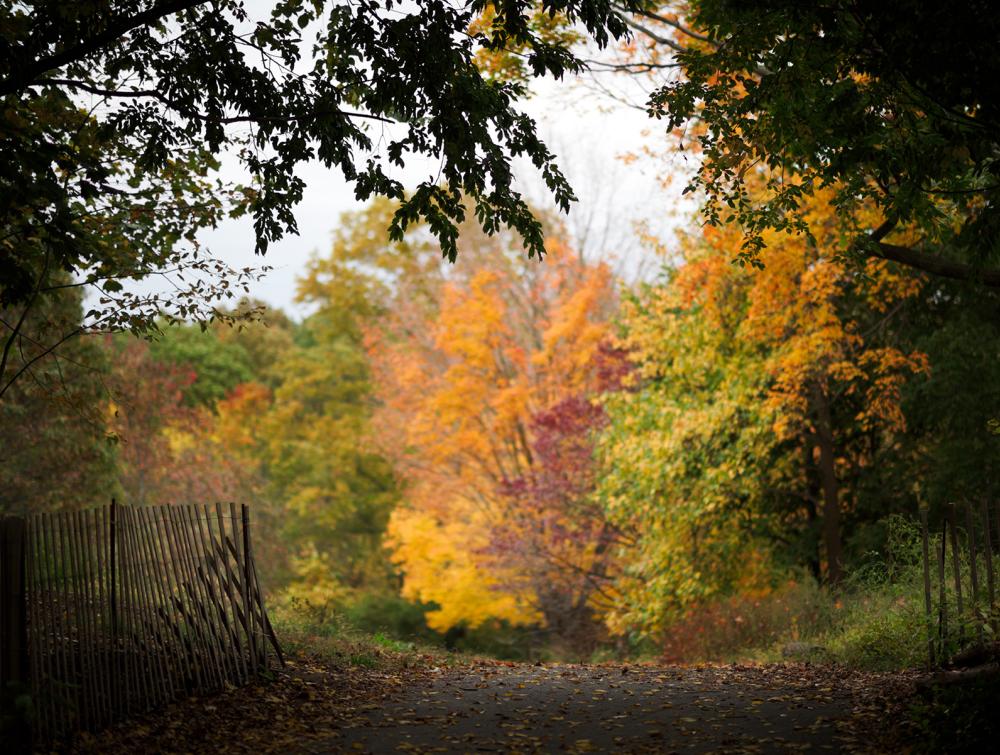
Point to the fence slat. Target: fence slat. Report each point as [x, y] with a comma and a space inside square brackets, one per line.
[927, 585]
[259, 602]
[943, 588]
[60, 663]
[43, 687]
[237, 540]
[988, 550]
[33, 606]
[956, 561]
[205, 612]
[13, 629]
[223, 573]
[215, 607]
[84, 642]
[123, 608]
[93, 577]
[149, 577]
[195, 600]
[970, 525]
[170, 655]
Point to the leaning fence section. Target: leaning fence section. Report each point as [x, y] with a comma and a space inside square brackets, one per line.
[960, 585]
[126, 608]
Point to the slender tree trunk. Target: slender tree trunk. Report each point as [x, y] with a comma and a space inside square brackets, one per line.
[812, 514]
[830, 487]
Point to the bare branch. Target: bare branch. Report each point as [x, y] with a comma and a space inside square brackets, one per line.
[658, 38]
[677, 25]
[20, 321]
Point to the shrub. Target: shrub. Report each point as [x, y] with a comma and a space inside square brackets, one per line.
[735, 626]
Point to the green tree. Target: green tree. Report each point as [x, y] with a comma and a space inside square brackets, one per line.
[56, 452]
[335, 488]
[891, 104]
[219, 365]
[264, 340]
[768, 422]
[952, 445]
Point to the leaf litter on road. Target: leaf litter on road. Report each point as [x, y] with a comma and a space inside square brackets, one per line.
[489, 706]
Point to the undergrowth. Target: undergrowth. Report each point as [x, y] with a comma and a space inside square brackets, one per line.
[874, 621]
[959, 718]
[305, 629]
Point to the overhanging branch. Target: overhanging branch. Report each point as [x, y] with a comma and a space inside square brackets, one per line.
[24, 75]
[929, 263]
[935, 265]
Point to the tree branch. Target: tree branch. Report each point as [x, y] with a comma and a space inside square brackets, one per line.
[23, 76]
[677, 25]
[658, 38]
[195, 115]
[929, 263]
[5, 356]
[937, 266]
[48, 350]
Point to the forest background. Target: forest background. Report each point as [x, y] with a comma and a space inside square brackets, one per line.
[541, 459]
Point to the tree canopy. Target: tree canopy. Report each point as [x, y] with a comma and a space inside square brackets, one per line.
[878, 100]
[115, 113]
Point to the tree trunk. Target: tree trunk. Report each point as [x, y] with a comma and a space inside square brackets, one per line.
[812, 514]
[830, 487]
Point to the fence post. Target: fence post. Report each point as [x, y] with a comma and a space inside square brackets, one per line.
[251, 619]
[988, 550]
[13, 603]
[113, 566]
[943, 591]
[970, 524]
[14, 674]
[956, 561]
[927, 586]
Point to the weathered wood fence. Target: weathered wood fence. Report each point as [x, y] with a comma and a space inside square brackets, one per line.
[961, 608]
[116, 610]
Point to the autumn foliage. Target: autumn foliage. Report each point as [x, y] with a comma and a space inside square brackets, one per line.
[534, 451]
[488, 413]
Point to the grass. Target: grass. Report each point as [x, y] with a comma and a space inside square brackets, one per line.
[875, 621]
[304, 629]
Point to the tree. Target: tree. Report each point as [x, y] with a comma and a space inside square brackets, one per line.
[219, 364]
[335, 488]
[57, 453]
[116, 112]
[475, 534]
[552, 537]
[147, 406]
[894, 106]
[769, 408]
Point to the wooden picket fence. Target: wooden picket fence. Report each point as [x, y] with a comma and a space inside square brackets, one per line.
[113, 611]
[961, 608]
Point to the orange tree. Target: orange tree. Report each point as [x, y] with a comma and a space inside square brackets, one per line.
[471, 363]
